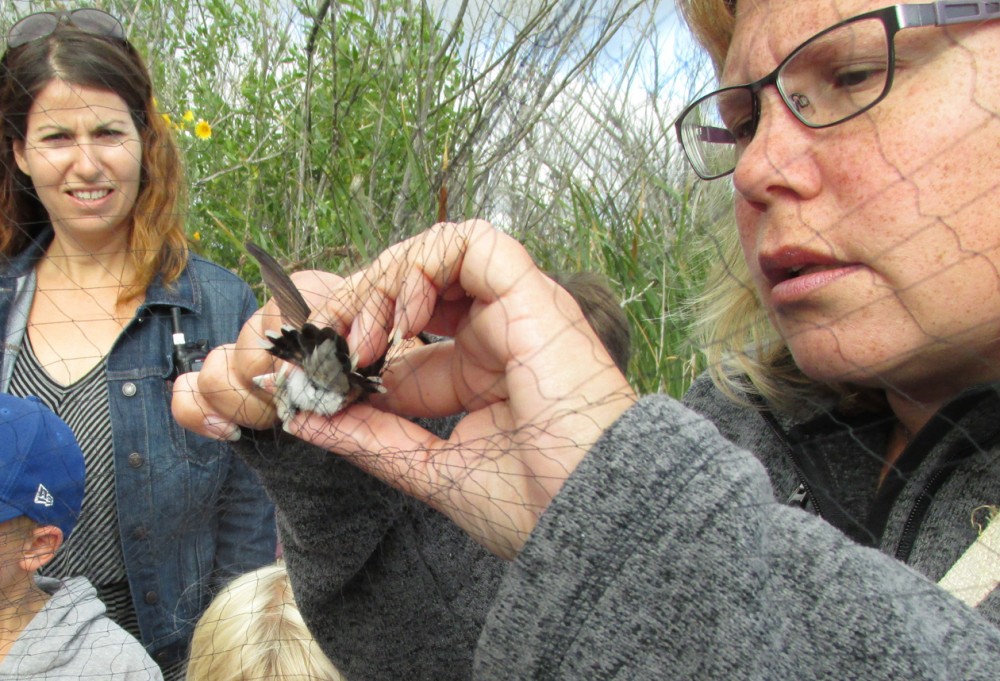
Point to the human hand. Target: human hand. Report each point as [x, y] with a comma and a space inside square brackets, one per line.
[223, 397]
[536, 385]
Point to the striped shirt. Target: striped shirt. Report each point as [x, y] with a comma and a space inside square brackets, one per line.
[94, 549]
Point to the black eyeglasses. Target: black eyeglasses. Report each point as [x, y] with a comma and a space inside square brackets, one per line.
[87, 19]
[834, 76]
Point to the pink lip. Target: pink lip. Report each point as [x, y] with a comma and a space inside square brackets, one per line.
[796, 273]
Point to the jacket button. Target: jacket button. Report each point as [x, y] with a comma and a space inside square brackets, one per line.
[152, 598]
[129, 389]
[135, 460]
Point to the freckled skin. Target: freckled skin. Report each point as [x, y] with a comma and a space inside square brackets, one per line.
[906, 194]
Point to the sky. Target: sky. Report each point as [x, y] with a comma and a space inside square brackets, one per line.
[665, 75]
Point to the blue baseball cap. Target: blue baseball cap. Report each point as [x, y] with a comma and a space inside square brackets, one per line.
[41, 465]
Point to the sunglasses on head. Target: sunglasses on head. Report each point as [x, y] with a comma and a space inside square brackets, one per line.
[42, 24]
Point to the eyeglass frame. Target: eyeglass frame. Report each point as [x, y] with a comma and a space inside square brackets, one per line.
[66, 17]
[894, 19]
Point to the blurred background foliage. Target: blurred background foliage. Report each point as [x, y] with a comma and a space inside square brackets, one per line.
[325, 131]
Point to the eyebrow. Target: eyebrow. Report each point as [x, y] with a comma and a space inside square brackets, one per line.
[116, 122]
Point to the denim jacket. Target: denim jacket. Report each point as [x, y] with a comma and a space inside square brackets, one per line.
[192, 515]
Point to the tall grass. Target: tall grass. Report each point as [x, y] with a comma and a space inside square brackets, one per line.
[338, 128]
[655, 260]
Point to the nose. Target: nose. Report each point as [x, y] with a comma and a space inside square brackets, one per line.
[780, 157]
[87, 165]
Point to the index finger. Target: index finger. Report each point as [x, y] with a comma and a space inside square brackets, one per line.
[396, 296]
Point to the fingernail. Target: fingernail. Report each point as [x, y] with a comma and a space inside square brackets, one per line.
[397, 338]
[265, 382]
[221, 429]
[357, 330]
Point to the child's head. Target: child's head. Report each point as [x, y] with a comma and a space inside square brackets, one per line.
[253, 630]
[41, 465]
[41, 487]
[600, 306]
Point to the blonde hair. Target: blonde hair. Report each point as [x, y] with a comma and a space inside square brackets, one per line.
[744, 352]
[254, 630]
[711, 22]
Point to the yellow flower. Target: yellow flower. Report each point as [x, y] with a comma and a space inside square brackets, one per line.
[166, 118]
[189, 116]
[202, 130]
[196, 236]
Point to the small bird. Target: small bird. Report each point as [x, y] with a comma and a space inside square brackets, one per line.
[319, 376]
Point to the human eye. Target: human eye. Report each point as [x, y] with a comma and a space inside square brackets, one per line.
[742, 130]
[110, 135]
[736, 112]
[858, 76]
[852, 58]
[54, 138]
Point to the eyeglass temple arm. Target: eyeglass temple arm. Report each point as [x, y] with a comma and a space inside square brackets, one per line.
[947, 12]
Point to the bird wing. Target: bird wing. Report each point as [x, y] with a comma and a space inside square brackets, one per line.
[294, 308]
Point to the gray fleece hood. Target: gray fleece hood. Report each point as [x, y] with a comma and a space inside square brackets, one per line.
[72, 638]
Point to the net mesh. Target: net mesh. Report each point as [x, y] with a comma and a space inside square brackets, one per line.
[626, 427]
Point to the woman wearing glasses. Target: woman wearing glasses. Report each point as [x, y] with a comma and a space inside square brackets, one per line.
[95, 268]
[854, 328]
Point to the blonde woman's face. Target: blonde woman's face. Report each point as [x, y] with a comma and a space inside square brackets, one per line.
[875, 244]
[83, 154]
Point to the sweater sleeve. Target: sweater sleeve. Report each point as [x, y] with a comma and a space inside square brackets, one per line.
[390, 588]
[665, 555]
[327, 509]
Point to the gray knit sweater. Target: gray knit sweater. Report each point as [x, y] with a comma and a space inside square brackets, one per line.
[667, 554]
[922, 513]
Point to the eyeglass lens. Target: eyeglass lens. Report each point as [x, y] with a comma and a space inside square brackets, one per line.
[837, 74]
[39, 25]
[830, 78]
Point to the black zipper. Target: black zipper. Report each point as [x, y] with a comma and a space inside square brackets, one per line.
[940, 425]
[803, 493]
[923, 503]
[800, 497]
[914, 520]
[824, 506]
[933, 432]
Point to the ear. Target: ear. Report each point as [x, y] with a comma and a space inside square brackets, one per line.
[41, 547]
[22, 161]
